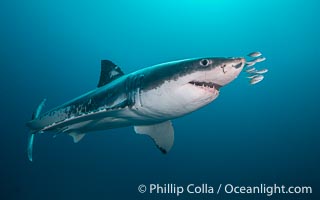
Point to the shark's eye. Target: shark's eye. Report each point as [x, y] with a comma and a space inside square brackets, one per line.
[204, 62]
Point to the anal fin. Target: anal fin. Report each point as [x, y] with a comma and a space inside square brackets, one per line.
[77, 136]
[162, 134]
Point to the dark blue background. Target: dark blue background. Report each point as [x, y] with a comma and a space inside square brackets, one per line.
[267, 133]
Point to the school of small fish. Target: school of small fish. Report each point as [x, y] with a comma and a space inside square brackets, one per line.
[255, 75]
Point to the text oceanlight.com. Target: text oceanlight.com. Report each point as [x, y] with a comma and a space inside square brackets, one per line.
[204, 188]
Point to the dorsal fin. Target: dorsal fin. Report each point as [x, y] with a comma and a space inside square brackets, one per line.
[109, 72]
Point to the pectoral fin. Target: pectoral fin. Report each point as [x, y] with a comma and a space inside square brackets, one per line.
[162, 134]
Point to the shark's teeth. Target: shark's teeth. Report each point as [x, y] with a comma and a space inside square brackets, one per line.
[205, 84]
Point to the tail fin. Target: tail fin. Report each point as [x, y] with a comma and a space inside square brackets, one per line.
[30, 145]
[35, 115]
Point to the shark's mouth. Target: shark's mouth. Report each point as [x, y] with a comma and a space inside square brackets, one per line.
[206, 85]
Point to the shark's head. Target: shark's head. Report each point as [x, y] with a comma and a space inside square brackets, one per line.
[183, 86]
[211, 73]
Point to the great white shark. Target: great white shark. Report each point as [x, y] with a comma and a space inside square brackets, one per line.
[147, 99]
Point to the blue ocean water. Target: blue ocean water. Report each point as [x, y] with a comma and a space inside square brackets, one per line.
[267, 133]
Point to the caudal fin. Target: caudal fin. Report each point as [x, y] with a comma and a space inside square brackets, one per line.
[30, 145]
[35, 115]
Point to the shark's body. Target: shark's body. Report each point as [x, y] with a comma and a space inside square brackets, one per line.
[146, 99]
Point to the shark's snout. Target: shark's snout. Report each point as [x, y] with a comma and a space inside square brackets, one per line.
[238, 62]
[239, 65]
[227, 71]
[232, 63]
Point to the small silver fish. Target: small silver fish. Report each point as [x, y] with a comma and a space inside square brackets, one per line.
[251, 70]
[253, 76]
[249, 64]
[255, 54]
[262, 71]
[256, 79]
[259, 59]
